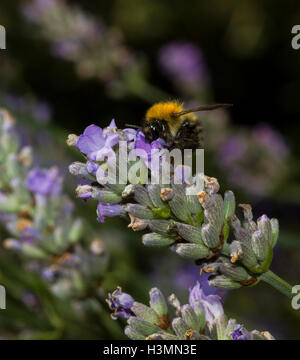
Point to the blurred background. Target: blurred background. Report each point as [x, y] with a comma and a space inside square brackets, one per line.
[72, 63]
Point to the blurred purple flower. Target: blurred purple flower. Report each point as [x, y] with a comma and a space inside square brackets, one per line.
[35, 9]
[107, 210]
[121, 303]
[29, 235]
[211, 304]
[42, 112]
[232, 150]
[269, 138]
[45, 181]
[49, 274]
[183, 62]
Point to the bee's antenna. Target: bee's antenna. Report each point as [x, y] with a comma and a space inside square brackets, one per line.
[133, 126]
[202, 108]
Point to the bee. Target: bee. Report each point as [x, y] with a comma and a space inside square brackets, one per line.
[170, 122]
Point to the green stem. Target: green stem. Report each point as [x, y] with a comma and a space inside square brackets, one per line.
[278, 283]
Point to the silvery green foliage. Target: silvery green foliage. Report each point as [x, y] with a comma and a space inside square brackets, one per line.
[202, 319]
[40, 222]
[202, 227]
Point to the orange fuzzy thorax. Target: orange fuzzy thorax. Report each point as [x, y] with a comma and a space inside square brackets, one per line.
[164, 110]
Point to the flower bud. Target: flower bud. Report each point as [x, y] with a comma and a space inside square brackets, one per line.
[163, 227]
[243, 251]
[34, 252]
[210, 236]
[154, 239]
[221, 325]
[141, 326]
[223, 282]
[84, 191]
[158, 302]
[234, 272]
[133, 334]
[72, 140]
[154, 194]
[190, 318]
[249, 259]
[236, 251]
[192, 251]
[260, 245]
[179, 208]
[139, 211]
[275, 231]
[173, 300]
[214, 213]
[180, 327]
[76, 231]
[105, 196]
[193, 204]
[229, 204]
[145, 313]
[79, 169]
[189, 233]
[141, 196]
[264, 225]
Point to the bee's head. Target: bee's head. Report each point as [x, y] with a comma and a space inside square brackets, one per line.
[158, 118]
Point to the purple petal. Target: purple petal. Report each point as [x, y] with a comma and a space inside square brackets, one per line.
[107, 209]
[130, 134]
[111, 140]
[91, 140]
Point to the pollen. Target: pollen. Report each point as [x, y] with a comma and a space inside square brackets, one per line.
[164, 110]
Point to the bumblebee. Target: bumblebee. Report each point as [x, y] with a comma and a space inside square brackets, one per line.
[170, 122]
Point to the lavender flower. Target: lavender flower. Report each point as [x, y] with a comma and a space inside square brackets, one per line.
[211, 304]
[184, 63]
[107, 210]
[45, 182]
[254, 161]
[93, 144]
[240, 333]
[121, 304]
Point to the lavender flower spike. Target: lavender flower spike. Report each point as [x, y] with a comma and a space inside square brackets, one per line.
[156, 323]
